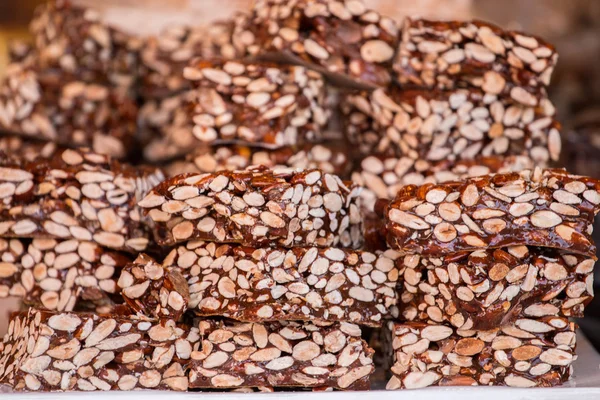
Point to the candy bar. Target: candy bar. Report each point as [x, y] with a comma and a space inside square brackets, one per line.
[331, 158]
[546, 208]
[76, 194]
[530, 353]
[274, 284]
[54, 107]
[281, 354]
[339, 37]
[164, 57]
[430, 125]
[382, 177]
[256, 207]
[58, 274]
[490, 288]
[262, 104]
[446, 55]
[46, 351]
[151, 290]
[74, 39]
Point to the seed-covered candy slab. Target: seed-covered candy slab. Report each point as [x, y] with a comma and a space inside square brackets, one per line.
[76, 194]
[445, 55]
[256, 207]
[339, 37]
[274, 284]
[432, 125]
[490, 288]
[281, 354]
[164, 57]
[59, 274]
[382, 177]
[545, 208]
[329, 157]
[54, 107]
[530, 353]
[76, 40]
[154, 291]
[263, 104]
[46, 352]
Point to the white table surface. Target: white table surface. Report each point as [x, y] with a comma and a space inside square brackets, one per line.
[585, 385]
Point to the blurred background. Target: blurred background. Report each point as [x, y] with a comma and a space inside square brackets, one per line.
[572, 26]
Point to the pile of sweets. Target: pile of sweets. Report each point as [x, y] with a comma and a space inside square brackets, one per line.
[272, 245]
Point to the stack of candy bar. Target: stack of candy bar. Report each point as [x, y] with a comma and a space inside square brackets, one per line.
[75, 84]
[68, 220]
[493, 268]
[273, 249]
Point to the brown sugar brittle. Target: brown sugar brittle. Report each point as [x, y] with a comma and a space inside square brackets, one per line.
[547, 208]
[256, 207]
[58, 274]
[47, 351]
[275, 284]
[485, 289]
[164, 57]
[265, 104]
[330, 157]
[383, 177]
[76, 194]
[281, 354]
[446, 55]
[54, 107]
[433, 126]
[76, 40]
